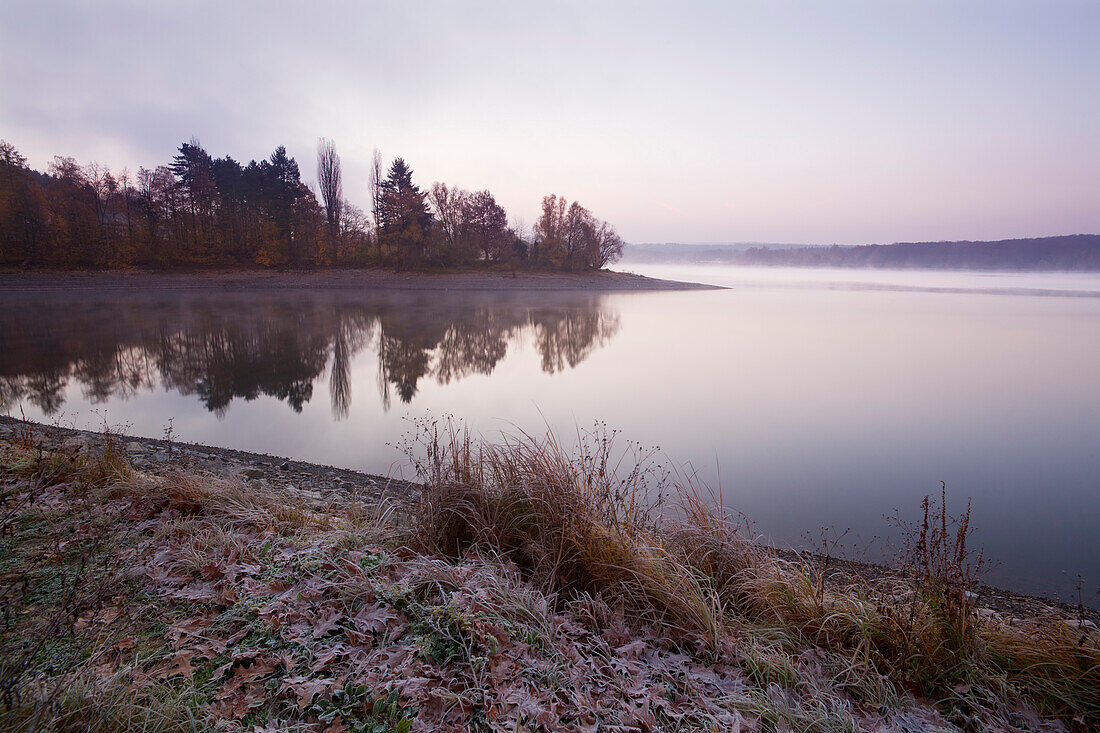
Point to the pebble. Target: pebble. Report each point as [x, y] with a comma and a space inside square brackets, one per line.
[74, 442]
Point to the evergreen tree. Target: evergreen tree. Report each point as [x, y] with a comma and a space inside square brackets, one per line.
[404, 219]
[283, 193]
[22, 208]
[193, 167]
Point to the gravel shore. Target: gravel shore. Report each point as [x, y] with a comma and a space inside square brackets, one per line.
[154, 455]
[601, 281]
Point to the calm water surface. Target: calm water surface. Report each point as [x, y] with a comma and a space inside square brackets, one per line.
[812, 397]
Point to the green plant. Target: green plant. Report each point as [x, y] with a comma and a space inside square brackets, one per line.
[362, 713]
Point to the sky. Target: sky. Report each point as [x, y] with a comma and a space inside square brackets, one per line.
[770, 121]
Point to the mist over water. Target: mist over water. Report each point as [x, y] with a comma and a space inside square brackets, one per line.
[810, 397]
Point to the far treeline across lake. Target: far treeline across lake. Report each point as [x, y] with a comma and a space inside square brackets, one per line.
[200, 211]
[1076, 252]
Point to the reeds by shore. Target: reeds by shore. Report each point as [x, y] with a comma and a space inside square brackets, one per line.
[662, 549]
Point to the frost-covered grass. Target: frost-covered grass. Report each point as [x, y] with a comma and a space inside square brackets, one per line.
[654, 544]
[531, 588]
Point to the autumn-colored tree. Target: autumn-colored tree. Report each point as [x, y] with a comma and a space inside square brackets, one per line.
[548, 247]
[204, 211]
[72, 229]
[567, 236]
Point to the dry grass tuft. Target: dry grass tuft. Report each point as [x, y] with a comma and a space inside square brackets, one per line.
[663, 552]
[579, 527]
[90, 704]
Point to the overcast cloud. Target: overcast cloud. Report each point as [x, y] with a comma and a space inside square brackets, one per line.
[766, 121]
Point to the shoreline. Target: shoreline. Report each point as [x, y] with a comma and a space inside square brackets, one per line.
[312, 481]
[153, 454]
[365, 279]
[143, 576]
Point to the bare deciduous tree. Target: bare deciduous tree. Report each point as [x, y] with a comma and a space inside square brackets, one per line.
[332, 191]
[448, 203]
[376, 178]
[609, 246]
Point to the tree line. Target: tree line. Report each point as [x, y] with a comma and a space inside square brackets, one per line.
[1074, 252]
[201, 211]
[1079, 252]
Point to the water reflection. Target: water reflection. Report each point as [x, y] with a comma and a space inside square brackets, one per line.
[222, 347]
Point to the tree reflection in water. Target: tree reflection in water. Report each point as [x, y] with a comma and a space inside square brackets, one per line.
[221, 347]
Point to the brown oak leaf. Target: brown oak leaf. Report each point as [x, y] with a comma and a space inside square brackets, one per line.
[306, 688]
[376, 618]
[179, 664]
[327, 623]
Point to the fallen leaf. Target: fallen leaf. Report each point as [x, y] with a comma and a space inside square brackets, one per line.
[180, 664]
[237, 705]
[306, 688]
[327, 623]
[219, 672]
[375, 618]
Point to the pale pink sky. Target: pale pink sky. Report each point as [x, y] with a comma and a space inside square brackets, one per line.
[693, 122]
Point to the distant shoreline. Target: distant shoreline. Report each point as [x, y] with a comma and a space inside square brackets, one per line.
[1069, 253]
[362, 279]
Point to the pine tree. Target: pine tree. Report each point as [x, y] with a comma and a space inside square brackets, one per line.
[195, 171]
[404, 219]
[284, 193]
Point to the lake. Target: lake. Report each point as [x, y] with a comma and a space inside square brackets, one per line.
[809, 398]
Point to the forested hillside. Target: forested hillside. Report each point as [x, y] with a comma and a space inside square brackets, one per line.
[1074, 252]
